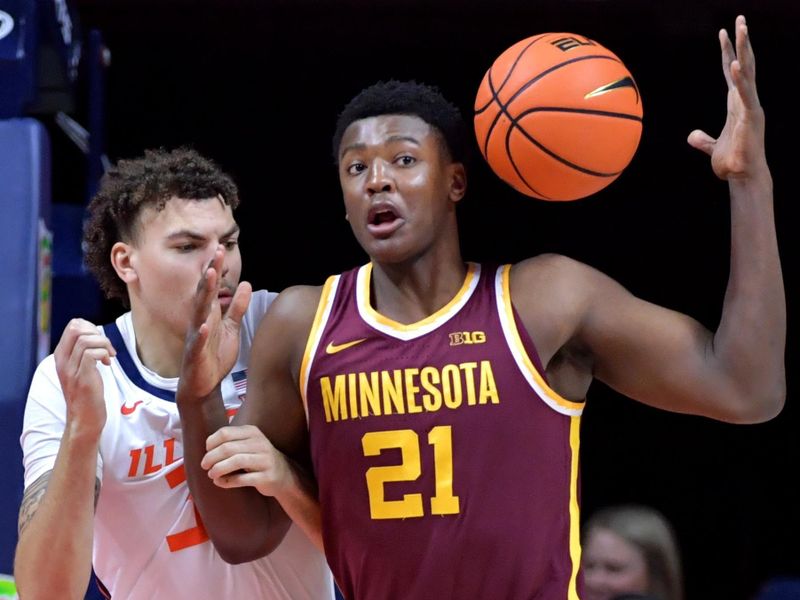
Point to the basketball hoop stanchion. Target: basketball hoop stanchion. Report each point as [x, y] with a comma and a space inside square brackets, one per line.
[98, 60]
[75, 292]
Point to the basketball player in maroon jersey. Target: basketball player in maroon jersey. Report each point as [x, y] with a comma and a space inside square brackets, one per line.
[437, 402]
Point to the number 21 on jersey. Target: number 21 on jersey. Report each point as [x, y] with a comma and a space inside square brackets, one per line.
[440, 439]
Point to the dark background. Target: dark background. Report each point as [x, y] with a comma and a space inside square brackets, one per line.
[257, 85]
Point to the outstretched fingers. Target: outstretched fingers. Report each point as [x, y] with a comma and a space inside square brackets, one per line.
[728, 56]
[239, 303]
[743, 69]
[207, 289]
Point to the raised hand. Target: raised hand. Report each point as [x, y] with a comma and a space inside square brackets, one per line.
[81, 346]
[212, 341]
[240, 456]
[738, 152]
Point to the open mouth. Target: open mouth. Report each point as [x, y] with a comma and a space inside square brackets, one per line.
[383, 216]
[383, 219]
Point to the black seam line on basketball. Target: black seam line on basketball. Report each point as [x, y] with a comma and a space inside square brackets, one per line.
[503, 107]
[508, 75]
[514, 164]
[549, 152]
[583, 111]
[491, 127]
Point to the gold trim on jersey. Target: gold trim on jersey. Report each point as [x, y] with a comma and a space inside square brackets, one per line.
[574, 508]
[413, 330]
[524, 362]
[320, 319]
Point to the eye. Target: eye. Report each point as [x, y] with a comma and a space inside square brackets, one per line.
[231, 244]
[186, 247]
[405, 160]
[356, 167]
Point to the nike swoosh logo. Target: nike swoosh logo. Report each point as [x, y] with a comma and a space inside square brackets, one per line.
[334, 348]
[625, 82]
[128, 410]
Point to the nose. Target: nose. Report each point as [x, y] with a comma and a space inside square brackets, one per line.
[379, 179]
[225, 268]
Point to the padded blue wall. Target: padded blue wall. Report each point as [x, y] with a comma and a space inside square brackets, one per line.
[24, 210]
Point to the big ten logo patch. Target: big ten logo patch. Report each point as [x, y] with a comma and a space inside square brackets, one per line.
[459, 338]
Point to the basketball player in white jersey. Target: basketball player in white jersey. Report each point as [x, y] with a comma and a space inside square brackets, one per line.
[105, 483]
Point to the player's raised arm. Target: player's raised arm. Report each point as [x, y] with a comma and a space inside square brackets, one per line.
[56, 516]
[267, 448]
[212, 345]
[667, 359]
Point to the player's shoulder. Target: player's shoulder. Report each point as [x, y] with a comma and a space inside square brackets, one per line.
[556, 282]
[293, 308]
[289, 320]
[550, 269]
[298, 299]
[260, 301]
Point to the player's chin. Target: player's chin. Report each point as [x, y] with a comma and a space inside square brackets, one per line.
[394, 250]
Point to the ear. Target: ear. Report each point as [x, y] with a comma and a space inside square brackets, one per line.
[458, 181]
[123, 260]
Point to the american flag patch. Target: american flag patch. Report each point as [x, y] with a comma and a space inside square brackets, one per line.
[240, 382]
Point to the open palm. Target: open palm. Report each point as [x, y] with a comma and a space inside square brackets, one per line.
[740, 146]
[212, 342]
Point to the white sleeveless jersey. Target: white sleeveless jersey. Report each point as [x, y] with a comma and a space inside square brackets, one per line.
[148, 540]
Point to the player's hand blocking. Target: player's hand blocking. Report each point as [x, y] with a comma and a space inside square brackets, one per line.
[81, 346]
[738, 152]
[212, 342]
[240, 456]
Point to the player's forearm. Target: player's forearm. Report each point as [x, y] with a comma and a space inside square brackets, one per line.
[54, 553]
[299, 502]
[750, 341]
[242, 524]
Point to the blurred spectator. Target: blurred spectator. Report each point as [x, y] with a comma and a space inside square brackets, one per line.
[629, 552]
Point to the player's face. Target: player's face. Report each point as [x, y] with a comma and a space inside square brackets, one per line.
[400, 186]
[173, 247]
[612, 566]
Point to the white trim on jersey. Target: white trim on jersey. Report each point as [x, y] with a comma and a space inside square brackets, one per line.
[320, 320]
[413, 330]
[517, 348]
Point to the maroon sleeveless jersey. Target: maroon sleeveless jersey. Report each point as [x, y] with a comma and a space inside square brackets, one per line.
[447, 467]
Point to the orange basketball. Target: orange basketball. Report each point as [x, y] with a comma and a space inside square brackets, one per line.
[558, 116]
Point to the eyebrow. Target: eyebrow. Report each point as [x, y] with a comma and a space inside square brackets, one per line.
[193, 235]
[391, 139]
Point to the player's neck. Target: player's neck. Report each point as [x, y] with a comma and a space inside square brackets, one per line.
[157, 347]
[413, 291]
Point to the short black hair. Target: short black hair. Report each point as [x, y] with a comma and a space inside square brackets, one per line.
[130, 186]
[407, 98]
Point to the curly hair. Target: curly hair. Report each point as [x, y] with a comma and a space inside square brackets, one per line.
[407, 98]
[148, 181]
